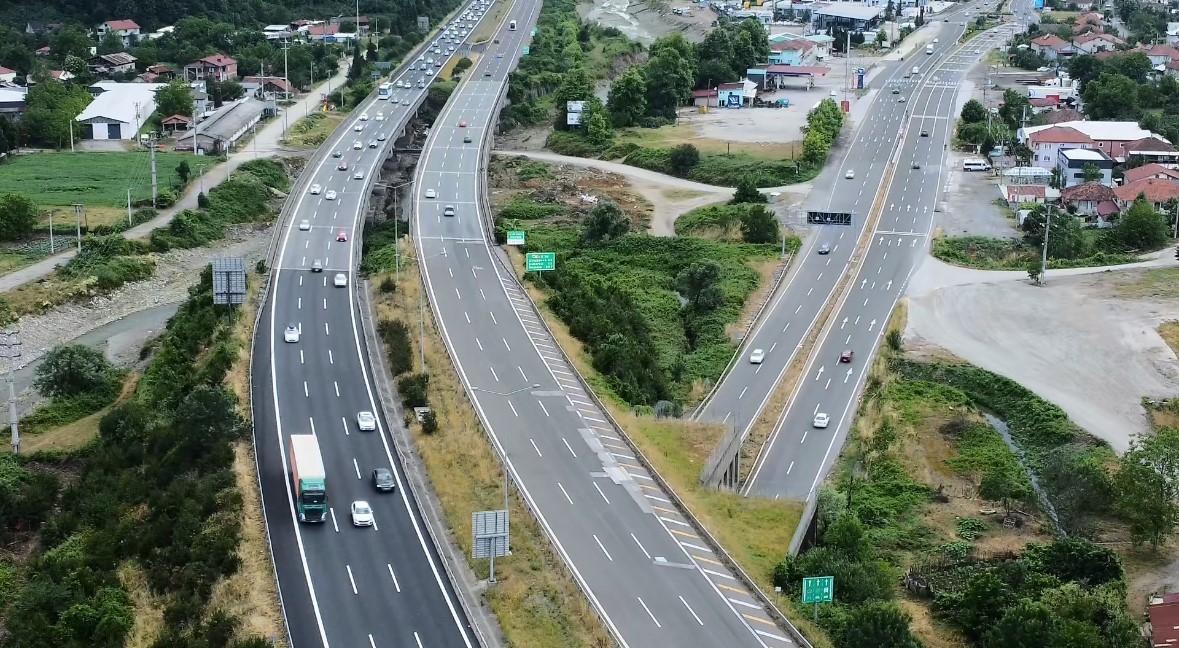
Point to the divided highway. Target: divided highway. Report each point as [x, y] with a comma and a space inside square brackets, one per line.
[647, 573]
[921, 111]
[378, 586]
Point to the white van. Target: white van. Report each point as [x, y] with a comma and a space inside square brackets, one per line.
[975, 164]
[929, 49]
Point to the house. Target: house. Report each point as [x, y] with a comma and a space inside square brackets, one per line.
[321, 32]
[1109, 136]
[173, 123]
[218, 67]
[1063, 115]
[117, 63]
[119, 111]
[822, 45]
[1150, 149]
[221, 131]
[200, 102]
[61, 75]
[1030, 175]
[260, 85]
[163, 72]
[1096, 42]
[792, 52]
[1093, 201]
[12, 103]
[1090, 21]
[38, 28]
[736, 94]
[43, 51]
[1160, 55]
[276, 32]
[1156, 191]
[1071, 164]
[705, 98]
[1163, 612]
[1020, 194]
[161, 32]
[127, 29]
[1046, 143]
[7, 75]
[1150, 171]
[1052, 47]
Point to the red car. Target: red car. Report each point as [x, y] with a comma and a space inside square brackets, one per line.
[846, 356]
[342, 236]
[343, 166]
[462, 124]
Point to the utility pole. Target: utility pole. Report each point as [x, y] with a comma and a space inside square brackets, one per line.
[10, 351]
[155, 180]
[1044, 254]
[286, 71]
[846, 64]
[78, 223]
[196, 132]
[51, 246]
[72, 136]
[128, 207]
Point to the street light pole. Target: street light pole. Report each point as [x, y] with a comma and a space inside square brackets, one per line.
[10, 350]
[1044, 254]
[422, 311]
[505, 395]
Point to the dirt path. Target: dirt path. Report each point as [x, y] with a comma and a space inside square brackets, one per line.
[1087, 341]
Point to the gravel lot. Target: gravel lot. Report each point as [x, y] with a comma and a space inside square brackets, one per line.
[968, 205]
[1082, 342]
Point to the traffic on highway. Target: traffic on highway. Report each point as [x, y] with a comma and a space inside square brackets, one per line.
[356, 563]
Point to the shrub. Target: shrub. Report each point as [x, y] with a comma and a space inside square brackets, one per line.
[429, 423]
[388, 286]
[202, 200]
[414, 390]
[395, 335]
[895, 340]
[75, 370]
[260, 267]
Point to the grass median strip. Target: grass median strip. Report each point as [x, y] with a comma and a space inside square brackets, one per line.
[536, 601]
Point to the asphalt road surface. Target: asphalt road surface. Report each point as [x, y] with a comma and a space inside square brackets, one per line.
[653, 580]
[797, 454]
[341, 585]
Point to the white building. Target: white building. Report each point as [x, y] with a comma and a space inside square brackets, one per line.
[119, 111]
[128, 30]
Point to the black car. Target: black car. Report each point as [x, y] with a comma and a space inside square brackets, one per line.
[824, 249]
[925, 133]
[383, 480]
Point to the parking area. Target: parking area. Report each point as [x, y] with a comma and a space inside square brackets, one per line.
[971, 205]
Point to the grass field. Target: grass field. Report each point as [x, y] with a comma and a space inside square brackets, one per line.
[314, 129]
[676, 134]
[92, 178]
[491, 21]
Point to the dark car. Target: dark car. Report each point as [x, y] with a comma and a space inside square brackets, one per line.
[383, 480]
[925, 133]
[824, 249]
[846, 356]
[916, 164]
[467, 139]
[337, 154]
[317, 266]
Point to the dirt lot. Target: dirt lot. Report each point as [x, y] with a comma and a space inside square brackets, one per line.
[1087, 342]
[968, 205]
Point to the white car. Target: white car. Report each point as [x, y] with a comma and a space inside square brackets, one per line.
[405, 102]
[430, 193]
[291, 333]
[331, 195]
[341, 280]
[822, 420]
[448, 211]
[304, 225]
[429, 72]
[363, 116]
[316, 189]
[358, 127]
[366, 421]
[935, 40]
[359, 175]
[757, 356]
[357, 145]
[850, 175]
[362, 514]
[380, 116]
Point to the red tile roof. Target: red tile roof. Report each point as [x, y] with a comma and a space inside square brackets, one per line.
[1051, 41]
[1148, 144]
[1164, 623]
[1155, 190]
[1107, 208]
[323, 30]
[175, 119]
[1089, 191]
[1059, 135]
[1164, 50]
[1015, 192]
[4, 70]
[1064, 115]
[800, 44]
[1044, 102]
[709, 92]
[732, 86]
[121, 25]
[217, 60]
[1149, 171]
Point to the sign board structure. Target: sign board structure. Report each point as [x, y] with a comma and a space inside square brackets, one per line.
[733, 100]
[490, 530]
[423, 24]
[540, 261]
[829, 218]
[229, 281]
[516, 237]
[816, 590]
[573, 110]
[384, 65]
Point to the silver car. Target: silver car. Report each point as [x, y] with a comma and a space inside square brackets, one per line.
[366, 421]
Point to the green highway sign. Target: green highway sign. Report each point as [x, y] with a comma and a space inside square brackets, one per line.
[820, 589]
[533, 32]
[540, 261]
[516, 237]
[525, 51]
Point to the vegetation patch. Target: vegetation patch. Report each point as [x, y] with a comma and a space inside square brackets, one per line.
[245, 198]
[174, 522]
[536, 602]
[99, 179]
[314, 129]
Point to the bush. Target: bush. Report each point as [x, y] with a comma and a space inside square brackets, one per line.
[414, 390]
[75, 370]
[395, 335]
[895, 340]
[523, 207]
[429, 423]
[202, 200]
[387, 286]
[260, 267]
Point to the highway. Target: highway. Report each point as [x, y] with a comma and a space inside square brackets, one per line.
[646, 572]
[341, 585]
[797, 454]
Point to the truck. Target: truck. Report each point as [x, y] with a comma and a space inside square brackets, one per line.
[929, 49]
[308, 478]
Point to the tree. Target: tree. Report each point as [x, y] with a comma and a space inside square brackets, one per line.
[747, 193]
[70, 40]
[1066, 237]
[627, 101]
[576, 85]
[758, 225]
[983, 603]
[1141, 227]
[597, 125]
[111, 43]
[1147, 487]
[174, 99]
[974, 112]
[18, 217]
[698, 284]
[50, 109]
[1112, 97]
[1026, 625]
[668, 77]
[74, 370]
[878, 624]
[881, 38]
[1015, 107]
[683, 158]
[1006, 484]
[604, 223]
[1090, 173]
[183, 171]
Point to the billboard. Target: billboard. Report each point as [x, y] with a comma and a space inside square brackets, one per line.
[733, 100]
[573, 110]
